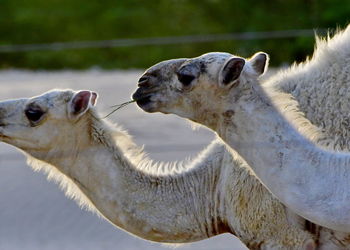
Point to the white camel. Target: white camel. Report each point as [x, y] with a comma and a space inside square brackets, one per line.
[100, 166]
[265, 126]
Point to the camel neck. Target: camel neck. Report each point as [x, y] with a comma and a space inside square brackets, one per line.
[292, 167]
[131, 193]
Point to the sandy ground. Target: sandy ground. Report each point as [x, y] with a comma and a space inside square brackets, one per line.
[35, 214]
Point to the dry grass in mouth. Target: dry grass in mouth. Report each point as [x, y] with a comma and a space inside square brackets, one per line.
[118, 106]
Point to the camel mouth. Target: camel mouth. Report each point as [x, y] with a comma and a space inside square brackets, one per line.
[4, 138]
[144, 100]
[2, 132]
[142, 97]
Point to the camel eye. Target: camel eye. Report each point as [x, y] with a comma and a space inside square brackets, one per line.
[34, 115]
[185, 79]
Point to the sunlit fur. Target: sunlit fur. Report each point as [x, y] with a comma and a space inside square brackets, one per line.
[107, 173]
[317, 89]
[321, 86]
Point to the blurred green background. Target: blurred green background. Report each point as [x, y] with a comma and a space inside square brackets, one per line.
[48, 21]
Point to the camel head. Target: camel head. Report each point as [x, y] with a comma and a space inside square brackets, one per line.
[200, 88]
[41, 123]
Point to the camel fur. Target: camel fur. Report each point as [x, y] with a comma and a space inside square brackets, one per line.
[99, 166]
[264, 123]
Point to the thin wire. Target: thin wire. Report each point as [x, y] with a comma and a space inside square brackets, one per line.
[117, 107]
[10, 48]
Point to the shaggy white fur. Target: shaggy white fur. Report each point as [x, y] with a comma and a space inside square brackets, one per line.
[99, 166]
[247, 115]
[321, 87]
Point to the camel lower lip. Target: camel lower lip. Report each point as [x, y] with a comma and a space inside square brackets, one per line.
[143, 100]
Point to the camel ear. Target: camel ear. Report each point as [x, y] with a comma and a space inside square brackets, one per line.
[231, 71]
[259, 62]
[81, 102]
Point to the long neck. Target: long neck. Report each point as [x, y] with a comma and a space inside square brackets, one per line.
[309, 180]
[136, 195]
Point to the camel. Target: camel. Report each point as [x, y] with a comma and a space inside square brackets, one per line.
[99, 166]
[286, 151]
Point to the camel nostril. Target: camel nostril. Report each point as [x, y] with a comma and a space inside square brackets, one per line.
[144, 81]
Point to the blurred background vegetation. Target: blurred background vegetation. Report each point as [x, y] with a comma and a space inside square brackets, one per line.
[48, 21]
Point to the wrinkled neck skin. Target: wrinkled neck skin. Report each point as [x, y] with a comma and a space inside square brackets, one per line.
[153, 202]
[309, 180]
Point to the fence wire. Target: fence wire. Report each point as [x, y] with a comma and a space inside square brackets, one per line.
[56, 46]
[161, 40]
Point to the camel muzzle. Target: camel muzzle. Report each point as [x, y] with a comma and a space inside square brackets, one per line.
[10, 109]
[142, 96]
[144, 81]
[147, 86]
